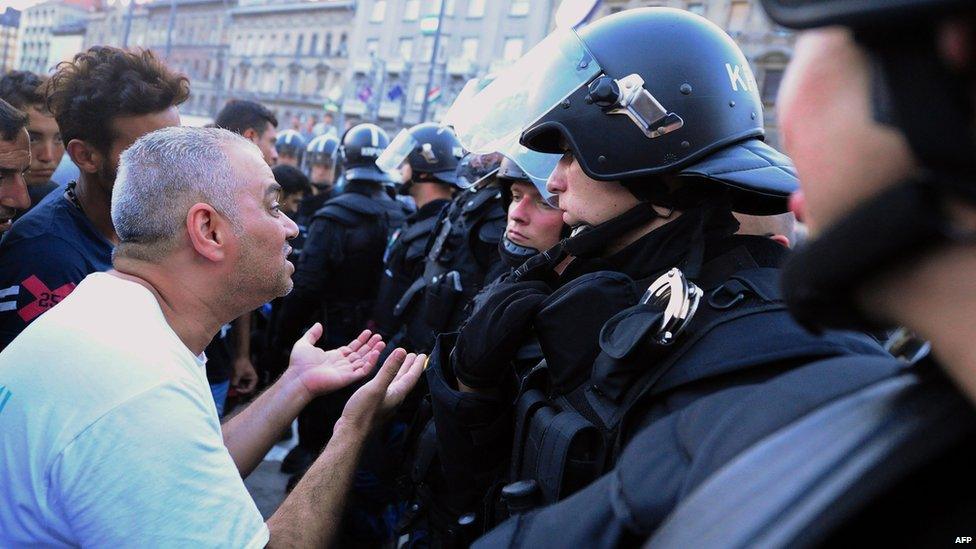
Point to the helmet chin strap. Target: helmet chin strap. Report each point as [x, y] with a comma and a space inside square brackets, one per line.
[587, 240]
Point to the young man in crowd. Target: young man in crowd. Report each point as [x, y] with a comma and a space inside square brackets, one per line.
[103, 100]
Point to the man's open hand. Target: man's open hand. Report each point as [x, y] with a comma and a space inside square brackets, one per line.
[322, 372]
[376, 400]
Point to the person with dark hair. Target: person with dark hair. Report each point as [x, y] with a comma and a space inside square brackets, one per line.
[294, 187]
[14, 163]
[23, 90]
[103, 100]
[253, 121]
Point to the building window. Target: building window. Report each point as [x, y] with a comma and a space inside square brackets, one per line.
[512, 49]
[697, 8]
[406, 49]
[519, 8]
[328, 43]
[314, 44]
[738, 15]
[299, 44]
[770, 86]
[476, 8]
[343, 50]
[411, 11]
[379, 11]
[469, 49]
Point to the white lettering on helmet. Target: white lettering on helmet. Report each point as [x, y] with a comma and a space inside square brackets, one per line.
[739, 77]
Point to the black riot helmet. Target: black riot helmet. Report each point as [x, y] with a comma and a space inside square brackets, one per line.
[510, 170]
[429, 148]
[636, 95]
[321, 150]
[291, 143]
[361, 146]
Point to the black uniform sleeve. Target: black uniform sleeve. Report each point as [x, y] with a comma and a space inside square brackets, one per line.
[320, 256]
[473, 431]
[35, 274]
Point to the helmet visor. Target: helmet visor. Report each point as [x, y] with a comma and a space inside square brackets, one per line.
[537, 166]
[491, 118]
[398, 151]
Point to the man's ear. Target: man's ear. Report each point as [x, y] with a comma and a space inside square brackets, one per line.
[781, 239]
[207, 231]
[85, 156]
[251, 135]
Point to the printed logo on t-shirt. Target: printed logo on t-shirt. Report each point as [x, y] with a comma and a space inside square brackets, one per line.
[44, 297]
[5, 395]
[8, 298]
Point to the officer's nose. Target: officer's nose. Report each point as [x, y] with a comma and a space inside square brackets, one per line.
[557, 179]
[43, 151]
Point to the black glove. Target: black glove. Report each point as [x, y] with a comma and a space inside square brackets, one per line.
[492, 335]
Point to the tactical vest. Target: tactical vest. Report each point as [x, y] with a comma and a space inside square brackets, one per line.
[462, 256]
[403, 256]
[570, 426]
[571, 422]
[367, 225]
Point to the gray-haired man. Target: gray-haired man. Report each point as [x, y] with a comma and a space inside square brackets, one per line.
[119, 443]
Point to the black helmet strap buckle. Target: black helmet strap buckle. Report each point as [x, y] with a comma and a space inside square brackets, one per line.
[629, 97]
[679, 297]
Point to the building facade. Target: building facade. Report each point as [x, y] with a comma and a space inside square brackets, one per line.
[391, 66]
[36, 26]
[108, 26]
[290, 56]
[9, 38]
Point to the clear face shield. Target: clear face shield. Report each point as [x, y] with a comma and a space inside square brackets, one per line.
[491, 117]
[397, 152]
[538, 166]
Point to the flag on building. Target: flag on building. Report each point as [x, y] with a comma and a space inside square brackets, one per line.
[396, 92]
[365, 93]
[434, 94]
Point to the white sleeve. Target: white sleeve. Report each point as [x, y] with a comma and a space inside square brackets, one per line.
[154, 472]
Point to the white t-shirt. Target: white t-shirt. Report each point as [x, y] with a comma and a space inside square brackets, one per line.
[108, 432]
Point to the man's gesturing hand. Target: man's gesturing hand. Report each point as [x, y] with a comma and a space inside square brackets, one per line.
[322, 372]
[377, 399]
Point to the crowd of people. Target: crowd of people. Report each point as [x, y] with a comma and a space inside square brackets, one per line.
[596, 317]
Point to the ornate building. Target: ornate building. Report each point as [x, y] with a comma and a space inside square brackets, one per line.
[289, 55]
[9, 36]
[36, 25]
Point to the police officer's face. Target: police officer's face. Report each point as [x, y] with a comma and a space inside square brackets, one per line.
[531, 221]
[322, 173]
[841, 154]
[263, 268]
[15, 160]
[586, 201]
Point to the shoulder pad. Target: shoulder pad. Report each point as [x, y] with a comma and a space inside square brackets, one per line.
[349, 208]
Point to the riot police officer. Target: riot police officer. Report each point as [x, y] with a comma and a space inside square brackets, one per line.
[290, 146]
[337, 276]
[319, 163]
[461, 255]
[427, 155]
[651, 306]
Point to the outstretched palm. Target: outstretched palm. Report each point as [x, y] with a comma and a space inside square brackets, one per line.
[322, 372]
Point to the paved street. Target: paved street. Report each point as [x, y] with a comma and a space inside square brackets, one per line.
[267, 484]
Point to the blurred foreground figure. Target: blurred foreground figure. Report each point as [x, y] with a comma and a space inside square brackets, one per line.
[879, 119]
[15, 159]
